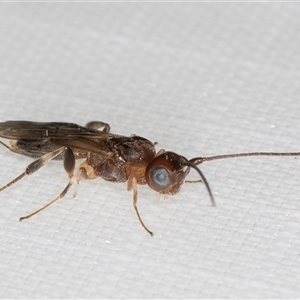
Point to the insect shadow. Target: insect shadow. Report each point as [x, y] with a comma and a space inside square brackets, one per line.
[110, 156]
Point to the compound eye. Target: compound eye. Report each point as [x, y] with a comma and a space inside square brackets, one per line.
[160, 178]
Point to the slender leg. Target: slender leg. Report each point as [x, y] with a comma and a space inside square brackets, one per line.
[9, 148]
[193, 181]
[132, 185]
[97, 125]
[81, 174]
[13, 148]
[35, 165]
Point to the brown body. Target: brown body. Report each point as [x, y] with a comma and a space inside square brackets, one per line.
[112, 157]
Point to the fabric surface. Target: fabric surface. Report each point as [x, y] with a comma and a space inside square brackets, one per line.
[199, 79]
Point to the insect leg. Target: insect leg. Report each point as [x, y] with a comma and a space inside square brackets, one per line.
[161, 151]
[97, 125]
[69, 165]
[9, 148]
[35, 166]
[193, 181]
[132, 185]
[69, 162]
[13, 147]
[81, 174]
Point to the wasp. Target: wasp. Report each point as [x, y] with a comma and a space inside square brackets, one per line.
[112, 157]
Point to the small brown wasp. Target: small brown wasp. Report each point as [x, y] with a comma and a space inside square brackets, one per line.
[110, 156]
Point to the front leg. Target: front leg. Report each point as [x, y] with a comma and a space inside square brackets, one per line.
[132, 185]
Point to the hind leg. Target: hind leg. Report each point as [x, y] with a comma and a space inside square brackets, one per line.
[81, 174]
[85, 172]
[35, 165]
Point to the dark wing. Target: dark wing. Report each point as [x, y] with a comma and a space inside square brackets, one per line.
[99, 145]
[37, 138]
[17, 130]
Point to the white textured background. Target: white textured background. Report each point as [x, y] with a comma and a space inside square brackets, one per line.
[200, 79]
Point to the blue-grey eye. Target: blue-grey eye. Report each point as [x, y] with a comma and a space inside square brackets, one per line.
[160, 178]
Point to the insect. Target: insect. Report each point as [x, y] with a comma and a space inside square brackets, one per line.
[110, 156]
